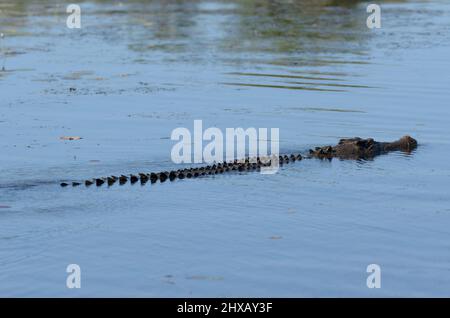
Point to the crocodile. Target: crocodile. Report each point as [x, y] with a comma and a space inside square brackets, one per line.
[352, 148]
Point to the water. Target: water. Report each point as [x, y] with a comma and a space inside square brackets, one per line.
[138, 70]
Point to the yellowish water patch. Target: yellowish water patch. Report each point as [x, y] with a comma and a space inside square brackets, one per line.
[77, 75]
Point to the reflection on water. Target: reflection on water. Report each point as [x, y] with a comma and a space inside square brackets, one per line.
[138, 69]
[261, 27]
[287, 35]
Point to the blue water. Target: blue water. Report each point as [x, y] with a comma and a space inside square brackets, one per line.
[139, 70]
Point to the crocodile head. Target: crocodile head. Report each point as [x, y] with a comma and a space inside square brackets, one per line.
[406, 144]
[358, 148]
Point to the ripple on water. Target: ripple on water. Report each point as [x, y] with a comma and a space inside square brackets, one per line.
[141, 69]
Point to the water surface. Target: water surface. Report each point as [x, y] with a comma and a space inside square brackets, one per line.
[136, 70]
